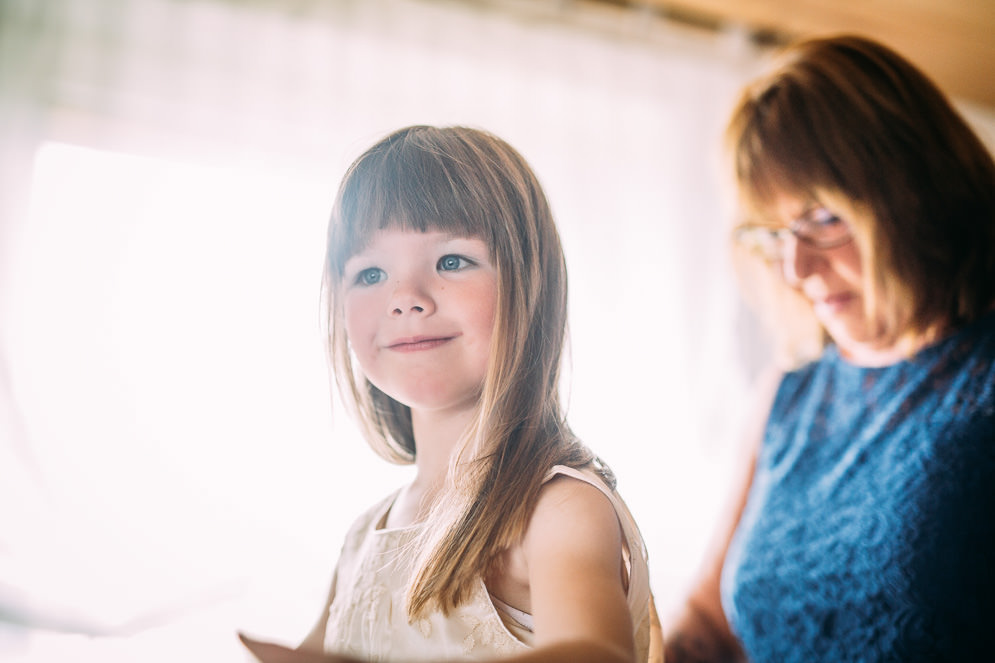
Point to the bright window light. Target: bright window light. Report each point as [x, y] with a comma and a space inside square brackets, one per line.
[167, 364]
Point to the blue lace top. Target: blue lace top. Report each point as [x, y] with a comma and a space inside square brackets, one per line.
[869, 532]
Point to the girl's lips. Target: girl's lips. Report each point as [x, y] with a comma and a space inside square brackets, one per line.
[419, 343]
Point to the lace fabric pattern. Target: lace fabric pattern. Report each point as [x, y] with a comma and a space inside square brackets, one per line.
[367, 619]
[869, 532]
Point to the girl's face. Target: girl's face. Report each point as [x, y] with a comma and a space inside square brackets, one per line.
[832, 281]
[419, 312]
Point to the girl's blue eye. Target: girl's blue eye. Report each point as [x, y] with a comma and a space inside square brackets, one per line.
[370, 276]
[452, 263]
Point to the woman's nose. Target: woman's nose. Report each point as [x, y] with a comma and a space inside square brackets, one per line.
[799, 260]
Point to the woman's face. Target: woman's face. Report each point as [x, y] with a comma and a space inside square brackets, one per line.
[832, 281]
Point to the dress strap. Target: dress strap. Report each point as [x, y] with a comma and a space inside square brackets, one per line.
[520, 617]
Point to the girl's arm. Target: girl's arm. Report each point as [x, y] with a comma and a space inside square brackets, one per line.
[268, 652]
[700, 633]
[573, 552]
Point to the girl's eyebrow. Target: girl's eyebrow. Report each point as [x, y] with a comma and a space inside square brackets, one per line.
[471, 238]
[360, 256]
[450, 237]
[366, 252]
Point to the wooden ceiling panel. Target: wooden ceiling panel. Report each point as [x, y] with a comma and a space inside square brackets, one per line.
[953, 41]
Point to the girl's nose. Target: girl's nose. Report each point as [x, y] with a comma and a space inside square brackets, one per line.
[409, 298]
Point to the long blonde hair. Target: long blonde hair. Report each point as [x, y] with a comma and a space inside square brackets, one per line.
[845, 119]
[470, 183]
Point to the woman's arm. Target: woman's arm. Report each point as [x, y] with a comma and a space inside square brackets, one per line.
[699, 632]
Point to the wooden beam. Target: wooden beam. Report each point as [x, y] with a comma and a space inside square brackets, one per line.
[953, 41]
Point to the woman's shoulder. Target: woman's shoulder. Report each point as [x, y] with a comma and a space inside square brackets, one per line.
[969, 347]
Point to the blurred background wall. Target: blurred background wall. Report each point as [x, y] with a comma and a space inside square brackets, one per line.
[171, 468]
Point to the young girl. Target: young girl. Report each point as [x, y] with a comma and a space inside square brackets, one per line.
[446, 295]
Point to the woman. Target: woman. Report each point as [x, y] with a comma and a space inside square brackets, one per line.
[864, 524]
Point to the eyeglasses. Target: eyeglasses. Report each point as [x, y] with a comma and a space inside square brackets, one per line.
[818, 228]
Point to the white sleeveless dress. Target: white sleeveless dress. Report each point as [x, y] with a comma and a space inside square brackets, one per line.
[367, 618]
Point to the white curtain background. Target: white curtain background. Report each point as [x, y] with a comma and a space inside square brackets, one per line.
[171, 468]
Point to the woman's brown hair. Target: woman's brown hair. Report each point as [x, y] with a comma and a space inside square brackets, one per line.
[848, 119]
[472, 184]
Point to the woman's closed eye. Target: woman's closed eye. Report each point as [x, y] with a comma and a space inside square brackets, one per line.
[826, 219]
[820, 218]
[822, 228]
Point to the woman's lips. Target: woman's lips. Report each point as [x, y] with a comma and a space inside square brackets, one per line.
[835, 303]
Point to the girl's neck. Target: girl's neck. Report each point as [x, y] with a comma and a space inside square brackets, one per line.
[436, 437]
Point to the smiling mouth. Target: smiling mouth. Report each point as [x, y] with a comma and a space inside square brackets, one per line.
[835, 302]
[419, 343]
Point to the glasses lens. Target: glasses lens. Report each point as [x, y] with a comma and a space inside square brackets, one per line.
[768, 243]
[821, 228]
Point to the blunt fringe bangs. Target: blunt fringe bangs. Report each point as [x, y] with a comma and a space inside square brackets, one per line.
[416, 178]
